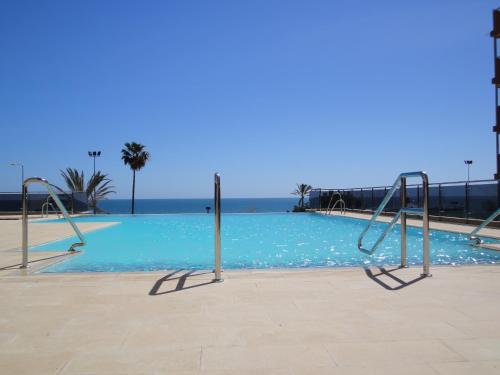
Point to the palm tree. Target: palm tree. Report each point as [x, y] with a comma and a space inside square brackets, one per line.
[302, 190]
[98, 187]
[74, 179]
[136, 157]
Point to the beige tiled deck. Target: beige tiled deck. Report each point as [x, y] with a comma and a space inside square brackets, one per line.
[323, 321]
[39, 233]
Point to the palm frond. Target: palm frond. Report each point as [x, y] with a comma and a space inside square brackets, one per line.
[99, 183]
[98, 187]
[134, 155]
[74, 180]
[104, 189]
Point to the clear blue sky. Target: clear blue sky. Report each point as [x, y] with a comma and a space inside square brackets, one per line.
[269, 93]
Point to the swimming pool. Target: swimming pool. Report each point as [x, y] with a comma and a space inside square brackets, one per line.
[284, 240]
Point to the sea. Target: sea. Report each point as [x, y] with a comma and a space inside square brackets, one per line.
[175, 206]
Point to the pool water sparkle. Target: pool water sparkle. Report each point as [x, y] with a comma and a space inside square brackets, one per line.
[281, 240]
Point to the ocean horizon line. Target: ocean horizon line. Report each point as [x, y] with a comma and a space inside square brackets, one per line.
[186, 205]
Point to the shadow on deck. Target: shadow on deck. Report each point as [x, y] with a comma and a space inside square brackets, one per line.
[30, 262]
[389, 273]
[181, 281]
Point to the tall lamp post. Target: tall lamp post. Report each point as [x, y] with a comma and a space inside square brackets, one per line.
[468, 163]
[94, 154]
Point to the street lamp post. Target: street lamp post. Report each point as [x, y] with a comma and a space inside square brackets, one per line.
[468, 163]
[94, 154]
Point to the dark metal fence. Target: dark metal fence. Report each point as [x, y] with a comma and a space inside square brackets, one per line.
[75, 201]
[461, 199]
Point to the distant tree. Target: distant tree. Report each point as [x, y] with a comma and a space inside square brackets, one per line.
[134, 155]
[98, 183]
[302, 190]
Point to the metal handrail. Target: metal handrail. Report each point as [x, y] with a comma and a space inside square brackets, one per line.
[218, 262]
[45, 208]
[489, 219]
[45, 205]
[424, 212]
[58, 202]
[335, 193]
[342, 204]
[70, 197]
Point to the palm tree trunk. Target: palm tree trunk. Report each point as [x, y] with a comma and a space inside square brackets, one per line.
[302, 201]
[133, 193]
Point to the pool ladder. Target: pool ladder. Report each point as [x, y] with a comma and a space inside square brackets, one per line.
[423, 211]
[45, 208]
[50, 189]
[340, 202]
[473, 235]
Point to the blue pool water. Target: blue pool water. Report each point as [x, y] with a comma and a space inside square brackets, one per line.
[155, 242]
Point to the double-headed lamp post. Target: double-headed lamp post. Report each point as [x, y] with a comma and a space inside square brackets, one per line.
[94, 154]
[22, 171]
[468, 163]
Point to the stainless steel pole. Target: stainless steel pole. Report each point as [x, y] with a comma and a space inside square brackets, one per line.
[402, 194]
[217, 270]
[425, 222]
[495, 129]
[24, 198]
